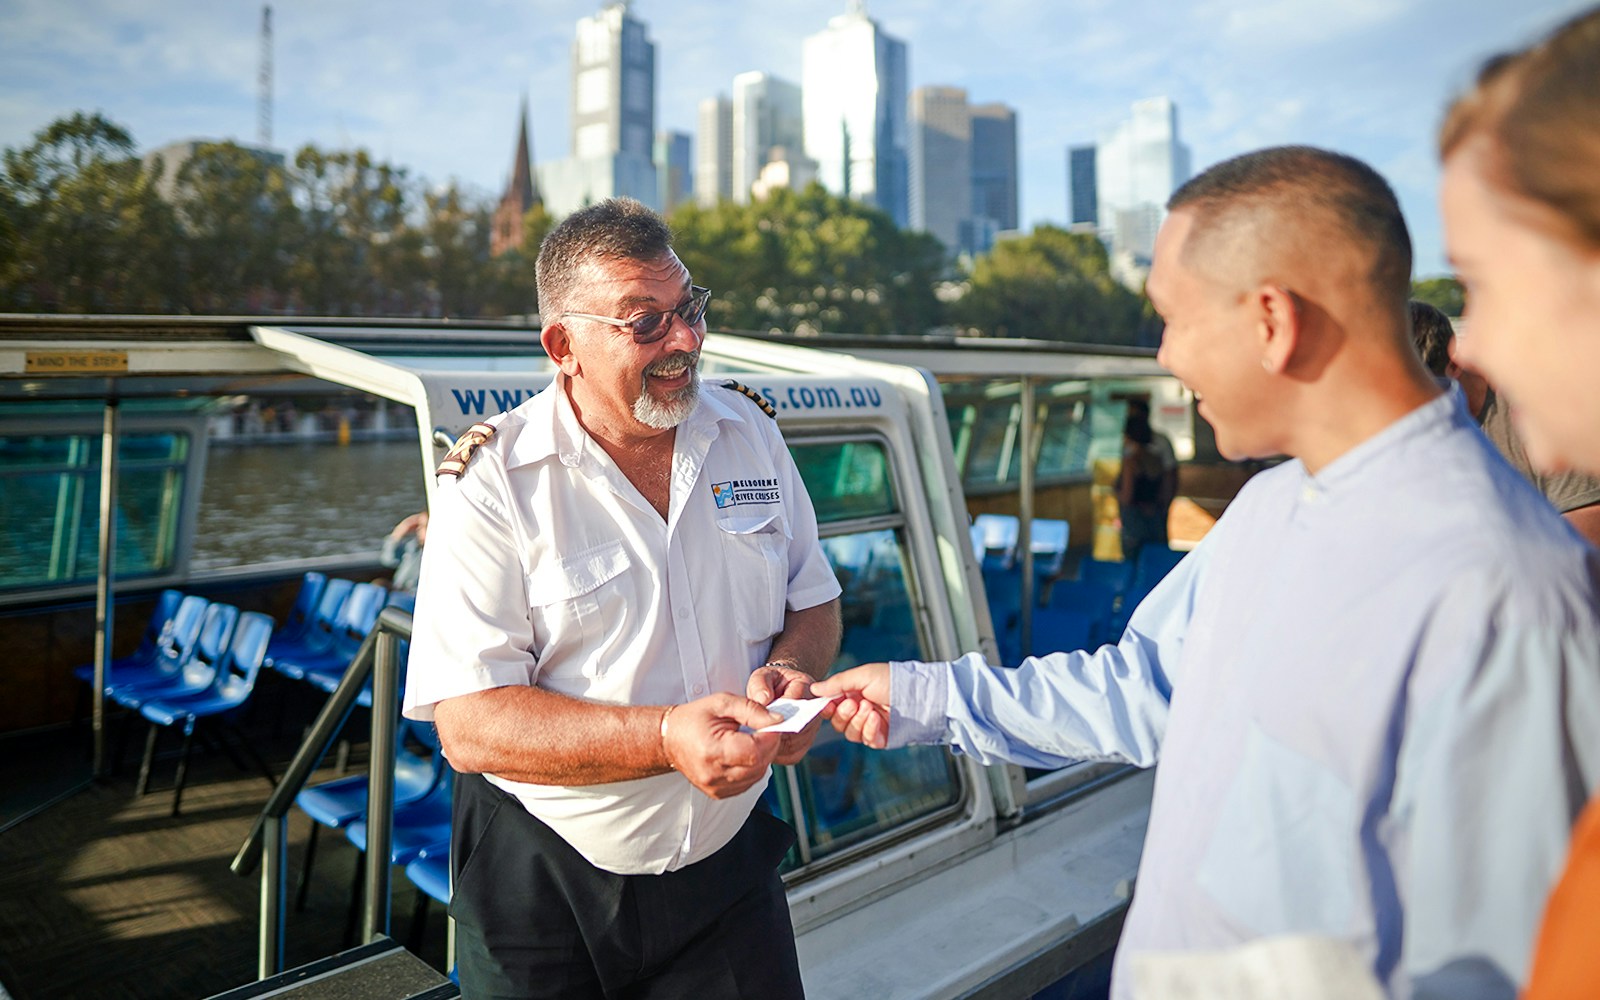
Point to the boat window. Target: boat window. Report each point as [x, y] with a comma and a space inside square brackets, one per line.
[51, 517]
[846, 479]
[842, 795]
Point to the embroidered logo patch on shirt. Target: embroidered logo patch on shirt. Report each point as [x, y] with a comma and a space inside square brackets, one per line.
[736, 492]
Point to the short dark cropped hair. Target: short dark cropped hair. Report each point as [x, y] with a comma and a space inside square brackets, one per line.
[614, 229]
[1291, 181]
[1432, 332]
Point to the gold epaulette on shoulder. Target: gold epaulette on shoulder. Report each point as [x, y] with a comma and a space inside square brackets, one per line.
[755, 397]
[460, 453]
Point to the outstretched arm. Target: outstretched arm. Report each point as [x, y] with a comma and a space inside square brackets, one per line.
[1109, 704]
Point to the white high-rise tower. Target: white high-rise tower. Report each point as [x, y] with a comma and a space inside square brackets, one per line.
[1138, 164]
[854, 86]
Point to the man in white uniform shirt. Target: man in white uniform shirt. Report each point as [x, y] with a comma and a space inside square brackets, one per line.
[622, 571]
[1373, 688]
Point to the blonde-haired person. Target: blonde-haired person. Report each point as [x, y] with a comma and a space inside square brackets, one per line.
[1521, 203]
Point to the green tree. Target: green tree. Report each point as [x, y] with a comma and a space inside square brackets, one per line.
[349, 258]
[810, 260]
[1444, 294]
[455, 245]
[1052, 285]
[91, 232]
[239, 222]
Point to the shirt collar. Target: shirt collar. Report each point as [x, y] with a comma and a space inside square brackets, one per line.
[551, 429]
[1431, 417]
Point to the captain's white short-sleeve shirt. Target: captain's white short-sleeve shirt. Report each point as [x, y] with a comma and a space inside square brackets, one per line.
[545, 566]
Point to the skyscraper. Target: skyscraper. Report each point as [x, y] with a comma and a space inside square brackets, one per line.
[941, 164]
[994, 168]
[766, 113]
[713, 153]
[1139, 163]
[963, 168]
[674, 170]
[853, 82]
[613, 115]
[1081, 183]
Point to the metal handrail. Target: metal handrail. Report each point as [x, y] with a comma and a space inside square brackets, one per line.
[378, 655]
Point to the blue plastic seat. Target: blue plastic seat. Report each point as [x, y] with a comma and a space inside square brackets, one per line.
[1112, 575]
[174, 644]
[342, 801]
[316, 637]
[1048, 541]
[430, 873]
[1092, 599]
[198, 669]
[1056, 630]
[347, 630]
[151, 643]
[326, 675]
[235, 678]
[1003, 589]
[1154, 562]
[999, 534]
[419, 826]
[304, 611]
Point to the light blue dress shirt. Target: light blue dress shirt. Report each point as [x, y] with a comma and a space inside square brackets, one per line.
[1375, 698]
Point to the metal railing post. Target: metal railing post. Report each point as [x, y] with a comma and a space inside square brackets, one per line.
[1025, 480]
[104, 601]
[380, 783]
[274, 880]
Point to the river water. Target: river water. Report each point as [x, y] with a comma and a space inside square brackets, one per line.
[302, 500]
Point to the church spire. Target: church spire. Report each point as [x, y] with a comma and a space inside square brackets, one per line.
[521, 193]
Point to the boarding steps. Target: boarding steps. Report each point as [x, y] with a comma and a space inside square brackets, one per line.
[378, 970]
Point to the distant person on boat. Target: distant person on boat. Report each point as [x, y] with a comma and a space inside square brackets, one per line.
[1372, 688]
[1432, 332]
[1575, 494]
[622, 572]
[402, 551]
[1521, 208]
[1145, 487]
[1138, 406]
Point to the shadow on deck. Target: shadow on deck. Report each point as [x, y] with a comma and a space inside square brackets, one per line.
[104, 894]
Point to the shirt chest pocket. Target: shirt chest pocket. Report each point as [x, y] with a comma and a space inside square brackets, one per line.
[757, 553]
[571, 598]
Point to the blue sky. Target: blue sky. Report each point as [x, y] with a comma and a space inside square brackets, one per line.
[435, 86]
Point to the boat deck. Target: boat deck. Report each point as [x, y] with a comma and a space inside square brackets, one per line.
[104, 894]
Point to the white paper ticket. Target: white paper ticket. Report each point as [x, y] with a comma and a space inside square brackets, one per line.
[797, 713]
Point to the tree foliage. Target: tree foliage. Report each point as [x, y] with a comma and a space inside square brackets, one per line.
[1051, 285]
[1444, 294]
[810, 261]
[85, 226]
[90, 231]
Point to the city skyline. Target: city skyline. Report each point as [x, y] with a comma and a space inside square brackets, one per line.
[436, 91]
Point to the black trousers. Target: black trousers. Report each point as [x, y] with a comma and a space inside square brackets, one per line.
[534, 919]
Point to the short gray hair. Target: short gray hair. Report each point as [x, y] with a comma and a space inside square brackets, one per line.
[614, 229]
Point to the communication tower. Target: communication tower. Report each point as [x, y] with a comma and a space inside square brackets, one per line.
[264, 82]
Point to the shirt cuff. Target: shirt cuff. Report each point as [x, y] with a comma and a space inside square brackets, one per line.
[917, 693]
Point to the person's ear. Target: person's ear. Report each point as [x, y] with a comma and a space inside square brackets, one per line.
[1277, 314]
[557, 344]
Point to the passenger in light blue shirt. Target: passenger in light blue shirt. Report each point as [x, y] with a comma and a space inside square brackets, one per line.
[1374, 688]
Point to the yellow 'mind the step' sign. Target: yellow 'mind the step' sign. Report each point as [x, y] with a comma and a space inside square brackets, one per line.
[75, 362]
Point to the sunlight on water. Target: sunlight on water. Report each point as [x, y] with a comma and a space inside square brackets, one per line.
[295, 501]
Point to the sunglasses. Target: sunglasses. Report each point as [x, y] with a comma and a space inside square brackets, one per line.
[651, 327]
